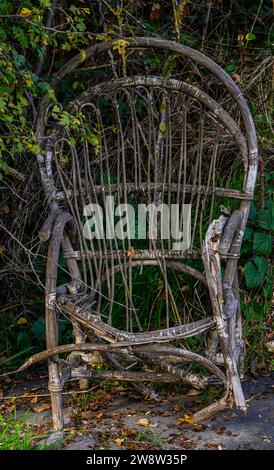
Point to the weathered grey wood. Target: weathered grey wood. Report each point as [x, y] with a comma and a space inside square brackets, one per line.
[93, 321]
[184, 376]
[232, 225]
[55, 384]
[187, 356]
[230, 301]
[127, 376]
[144, 187]
[223, 239]
[150, 255]
[211, 410]
[46, 229]
[239, 342]
[143, 389]
[211, 261]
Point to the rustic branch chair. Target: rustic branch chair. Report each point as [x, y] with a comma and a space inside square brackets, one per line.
[158, 123]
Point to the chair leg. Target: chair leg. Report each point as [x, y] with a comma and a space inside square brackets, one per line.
[239, 329]
[55, 387]
[55, 383]
[80, 338]
[212, 264]
[233, 379]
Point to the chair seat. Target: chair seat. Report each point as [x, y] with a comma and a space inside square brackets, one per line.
[79, 309]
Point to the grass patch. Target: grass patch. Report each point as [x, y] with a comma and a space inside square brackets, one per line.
[17, 434]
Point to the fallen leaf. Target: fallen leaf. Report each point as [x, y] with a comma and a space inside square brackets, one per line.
[143, 422]
[186, 419]
[34, 400]
[213, 444]
[128, 432]
[40, 408]
[119, 442]
[88, 414]
[193, 392]
[191, 445]
[99, 415]
[219, 430]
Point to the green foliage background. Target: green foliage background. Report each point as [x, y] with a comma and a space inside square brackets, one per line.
[236, 34]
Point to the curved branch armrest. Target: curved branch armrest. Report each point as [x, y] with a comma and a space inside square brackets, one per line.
[57, 230]
[233, 224]
[47, 227]
[230, 301]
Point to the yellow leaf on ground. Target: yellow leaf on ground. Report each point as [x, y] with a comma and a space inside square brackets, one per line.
[186, 419]
[22, 321]
[34, 400]
[143, 422]
[193, 392]
[38, 409]
[119, 442]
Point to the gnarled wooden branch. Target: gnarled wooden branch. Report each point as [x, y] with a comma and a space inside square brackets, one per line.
[211, 410]
[212, 266]
[93, 321]
[229, 231]
[230, 301]
[187, 356]
[184, 376]
[15, 174]
[127, 376]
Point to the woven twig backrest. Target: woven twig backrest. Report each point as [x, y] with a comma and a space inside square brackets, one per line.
[151, 141]
[146, 139]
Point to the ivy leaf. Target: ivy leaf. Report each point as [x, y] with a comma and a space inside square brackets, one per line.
[248, 233]
[250, 37]
[252, 213]
[230, 68]
[45, 3]
[252, 311]
[39, 329]
[266, 218]
[23, 340]
[64, 119]
[255, 271]
[262, 243]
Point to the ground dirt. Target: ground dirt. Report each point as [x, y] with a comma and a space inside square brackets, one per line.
[114, 417]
